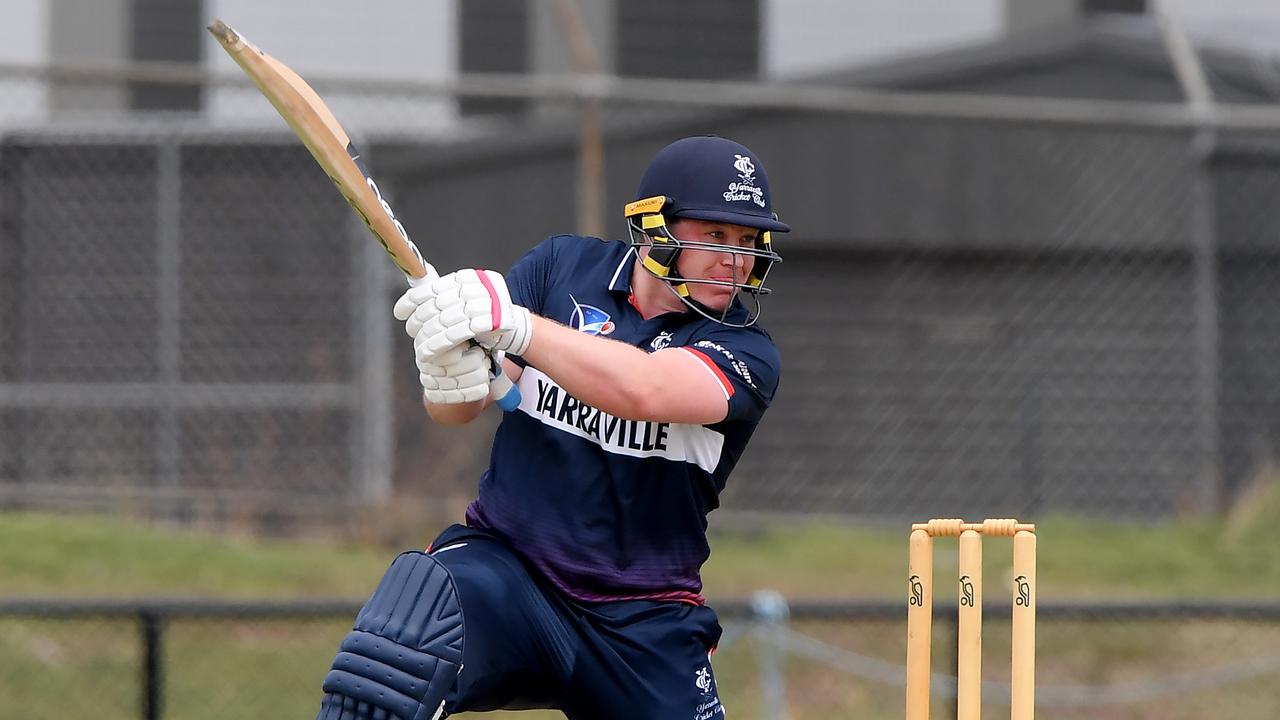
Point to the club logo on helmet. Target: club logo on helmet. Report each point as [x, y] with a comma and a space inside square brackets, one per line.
[590, 319]
[745, 190]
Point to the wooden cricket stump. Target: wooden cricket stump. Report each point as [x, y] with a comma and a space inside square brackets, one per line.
[969, 627]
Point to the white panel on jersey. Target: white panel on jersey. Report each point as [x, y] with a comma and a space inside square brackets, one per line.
[694, 444]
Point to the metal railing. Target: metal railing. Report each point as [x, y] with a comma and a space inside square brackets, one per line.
[772, 625]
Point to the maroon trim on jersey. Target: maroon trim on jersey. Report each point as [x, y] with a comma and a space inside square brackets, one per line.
[683, 596]
[724, 380]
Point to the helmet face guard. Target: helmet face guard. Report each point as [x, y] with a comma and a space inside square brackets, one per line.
[647, 226]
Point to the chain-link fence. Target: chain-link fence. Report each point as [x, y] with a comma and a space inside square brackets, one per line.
[983, 315]
[163, 341]
[989, 306]
[182, 318]
[130, 661]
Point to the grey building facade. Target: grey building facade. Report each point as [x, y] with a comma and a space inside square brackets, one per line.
[976, 316]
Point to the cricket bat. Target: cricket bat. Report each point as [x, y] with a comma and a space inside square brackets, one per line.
[313, 123]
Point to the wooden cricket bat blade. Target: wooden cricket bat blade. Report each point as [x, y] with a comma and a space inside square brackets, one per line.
[223, 32]
[315, 125]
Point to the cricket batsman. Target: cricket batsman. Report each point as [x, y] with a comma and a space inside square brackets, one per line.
[574, 583]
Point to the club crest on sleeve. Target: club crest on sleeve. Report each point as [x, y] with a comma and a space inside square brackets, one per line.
[590, 319]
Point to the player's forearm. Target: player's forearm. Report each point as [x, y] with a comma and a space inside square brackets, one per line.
[600, 372]
[455, 413]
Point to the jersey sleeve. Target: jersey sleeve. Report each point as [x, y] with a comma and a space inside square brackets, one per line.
[530, 276]
[746, 364]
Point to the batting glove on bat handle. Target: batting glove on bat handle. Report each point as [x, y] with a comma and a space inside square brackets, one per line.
[465, 305]
[505, 394]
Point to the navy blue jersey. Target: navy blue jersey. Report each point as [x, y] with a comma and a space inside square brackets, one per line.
[606, 508]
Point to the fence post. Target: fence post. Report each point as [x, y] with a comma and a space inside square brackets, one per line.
[152, 663]
[168, 219]
[770, 613]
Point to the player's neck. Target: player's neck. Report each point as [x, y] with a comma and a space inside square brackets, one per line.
[650, 296]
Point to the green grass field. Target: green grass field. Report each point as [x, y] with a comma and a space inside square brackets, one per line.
[104, 557]
[213, 666]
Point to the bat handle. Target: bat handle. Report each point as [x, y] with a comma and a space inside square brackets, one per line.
[503, 392]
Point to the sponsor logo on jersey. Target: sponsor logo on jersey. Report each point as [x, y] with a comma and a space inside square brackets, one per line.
[590, 319]
[607, 430]
[738, 366]
[662, 341]
[544, 400]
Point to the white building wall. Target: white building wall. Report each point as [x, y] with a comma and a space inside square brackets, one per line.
[1246, 25]
[416, 40]
[805, 37]
[24, 40]
[25, 31]
[399, 41]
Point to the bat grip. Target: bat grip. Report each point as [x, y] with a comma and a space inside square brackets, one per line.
[501, 389]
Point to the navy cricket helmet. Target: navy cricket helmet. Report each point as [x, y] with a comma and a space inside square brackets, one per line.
[705, 178]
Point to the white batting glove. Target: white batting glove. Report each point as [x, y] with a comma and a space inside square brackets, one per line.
[462, 378]
[467, 305]
[452, 375]
[414, 308]
[418, 297]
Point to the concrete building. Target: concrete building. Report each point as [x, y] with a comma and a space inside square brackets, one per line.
[977, 315]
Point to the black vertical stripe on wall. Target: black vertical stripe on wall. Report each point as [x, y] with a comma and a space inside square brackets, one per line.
[493, 38]
[1131, 7]
[11, 235]
[682, 39]
[165, 31]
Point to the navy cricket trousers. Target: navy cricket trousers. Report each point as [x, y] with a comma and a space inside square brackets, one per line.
[526, 645]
